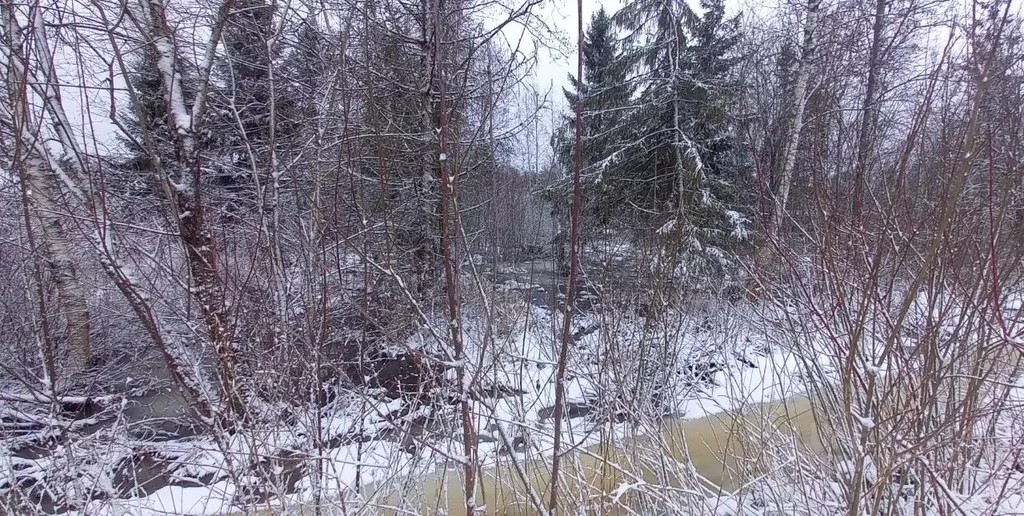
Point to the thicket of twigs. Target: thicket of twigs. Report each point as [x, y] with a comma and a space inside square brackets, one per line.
[276, 256]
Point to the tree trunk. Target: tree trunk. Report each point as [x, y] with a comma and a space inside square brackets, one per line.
[447, 178]
[42, 192]
[63, 271]
[183, 190]
[799, 103]
[869, 113]
[574, 270]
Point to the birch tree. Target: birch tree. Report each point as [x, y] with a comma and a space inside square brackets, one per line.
[182, 186]
[38, 179]
[802, 73]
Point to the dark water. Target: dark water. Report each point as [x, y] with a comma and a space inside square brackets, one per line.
[546, 286]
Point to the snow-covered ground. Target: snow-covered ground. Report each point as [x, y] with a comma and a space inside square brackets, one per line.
[742, 371]
[719, 358]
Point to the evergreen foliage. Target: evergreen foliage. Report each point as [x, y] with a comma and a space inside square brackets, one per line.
[606, 95]
[661, 154]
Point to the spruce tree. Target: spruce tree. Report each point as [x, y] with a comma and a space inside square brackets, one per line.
[241, 132]
[606, 93]
[685, 161]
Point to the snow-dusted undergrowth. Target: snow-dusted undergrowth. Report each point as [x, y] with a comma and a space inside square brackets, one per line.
[625, 374]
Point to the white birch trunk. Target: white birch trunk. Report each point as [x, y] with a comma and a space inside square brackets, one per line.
[43, 191]
[799, 103]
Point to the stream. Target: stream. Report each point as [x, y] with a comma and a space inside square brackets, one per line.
[160, 415]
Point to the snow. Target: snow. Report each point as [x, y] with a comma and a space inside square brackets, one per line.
[210, 500]
[623, 488]
[514, 285]
[754, 368]
[739, 224]
[667, 227]
[165, 63]
[865, 422]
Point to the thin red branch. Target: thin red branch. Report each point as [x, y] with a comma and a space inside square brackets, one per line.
[574, 268]
[994, 263]
[449, 245]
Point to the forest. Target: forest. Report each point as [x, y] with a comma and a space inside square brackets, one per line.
[651, 257]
